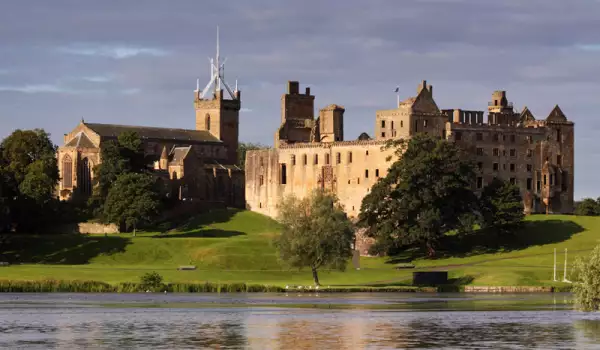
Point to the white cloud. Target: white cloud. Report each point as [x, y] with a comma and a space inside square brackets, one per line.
[589, 47]
[116, 52]
[33, 89]
[98, 79]
[132, 91]
[245, 110]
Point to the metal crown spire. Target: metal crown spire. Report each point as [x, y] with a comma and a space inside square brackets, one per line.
[217, 72]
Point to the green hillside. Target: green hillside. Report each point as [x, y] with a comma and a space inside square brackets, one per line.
[236, 246]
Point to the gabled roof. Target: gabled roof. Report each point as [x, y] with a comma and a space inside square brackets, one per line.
[178, 154]
[81, 141]
[557, 115]
[526, 115]
[146, 132]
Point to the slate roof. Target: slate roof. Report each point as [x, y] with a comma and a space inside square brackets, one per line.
[147, 132]
[557, 115]
[81, 140]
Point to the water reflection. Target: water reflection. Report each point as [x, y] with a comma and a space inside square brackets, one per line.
[255, 327]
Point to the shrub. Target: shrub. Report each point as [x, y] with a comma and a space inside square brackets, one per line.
[152, 281]
[586, 275]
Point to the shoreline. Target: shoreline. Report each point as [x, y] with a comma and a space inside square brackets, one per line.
[62, 286]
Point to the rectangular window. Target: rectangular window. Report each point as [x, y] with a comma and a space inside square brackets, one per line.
[479, 151]
[479, 182]
[480, 166]
[283, 179]
[316, 160]
[338, 158]
[458, 136]
[402, 123]
[293, 159]
[545, 180]
[529, 183]
[529, 139]
[349, 157]
[512, 138]
[479, 136]
[383, 123]
[558, 160]
[261, 180]
[376, 172]
[513, 181]
[551, 180]
[558, 136]
[529, 152]
[529, 168]
[513, 152]
[425, 123]
[539, 186]
[416, 126]
[326, 158]
[366, 173]
[495, 137]
[262, 162]
[392, 126]
[504, 166]
[305, 160]
[496, 152]
[495, 167]
[512, 168]
[383, 134]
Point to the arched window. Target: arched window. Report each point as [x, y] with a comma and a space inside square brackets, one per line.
[84, 177]
[207, 122]
[67, 171]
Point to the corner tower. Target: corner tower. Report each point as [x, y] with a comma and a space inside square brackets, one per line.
[217, 113]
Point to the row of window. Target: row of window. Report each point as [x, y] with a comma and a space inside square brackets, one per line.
[542, 181]
[496, 152]
[315, 158]
[283, 176]
[458, 136]
[512, 167]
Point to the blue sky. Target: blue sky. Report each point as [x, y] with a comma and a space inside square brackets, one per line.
[136, 62]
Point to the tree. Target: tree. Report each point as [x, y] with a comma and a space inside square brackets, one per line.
[243, 148]
[133, 200]
[586, 275]
[29, 175]
[316, 233]
[124, 155]
[588, 207]
[502, 206]
[426, 194]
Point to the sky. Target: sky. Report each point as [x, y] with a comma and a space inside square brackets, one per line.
[136, 62]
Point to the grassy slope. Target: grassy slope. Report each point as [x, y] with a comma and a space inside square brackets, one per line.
[230, 246]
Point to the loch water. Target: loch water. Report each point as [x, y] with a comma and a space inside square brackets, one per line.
[295, 321]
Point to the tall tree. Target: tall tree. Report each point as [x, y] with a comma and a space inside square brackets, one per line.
[133, 200]
[502, 206]
[124, 155]
[316, 233]
[426, 194]
[29, 175]
[243, 148]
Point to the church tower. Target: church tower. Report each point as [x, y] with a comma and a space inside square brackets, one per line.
[218, 110]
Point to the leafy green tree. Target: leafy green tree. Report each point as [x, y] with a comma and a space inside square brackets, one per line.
[588, 207]
[124, 155]
[502, 206]
[243, 148]
[426, 193]
[133, 200]
[586, 275]
[29, 175]
[316, 233]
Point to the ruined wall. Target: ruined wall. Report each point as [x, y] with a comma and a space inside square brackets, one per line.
[349, 169]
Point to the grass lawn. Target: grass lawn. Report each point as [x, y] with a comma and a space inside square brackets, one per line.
[236, 246]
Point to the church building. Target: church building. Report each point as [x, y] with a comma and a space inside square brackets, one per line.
[193, 164]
